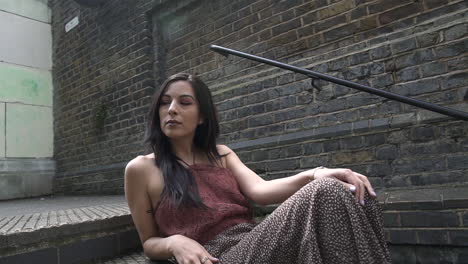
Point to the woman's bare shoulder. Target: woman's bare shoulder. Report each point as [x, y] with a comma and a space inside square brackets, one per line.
[223, 149]
[141, 166]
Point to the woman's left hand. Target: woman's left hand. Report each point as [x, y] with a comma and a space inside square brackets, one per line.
[356, 182]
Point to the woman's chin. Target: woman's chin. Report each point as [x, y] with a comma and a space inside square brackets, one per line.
[174, 135]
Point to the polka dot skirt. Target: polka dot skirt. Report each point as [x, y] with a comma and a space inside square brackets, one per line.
[320, 223]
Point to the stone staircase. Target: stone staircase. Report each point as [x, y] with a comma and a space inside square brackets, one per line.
[65, 230]
[422, 226]
[427, 225]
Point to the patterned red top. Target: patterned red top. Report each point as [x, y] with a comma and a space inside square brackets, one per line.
[227, 207]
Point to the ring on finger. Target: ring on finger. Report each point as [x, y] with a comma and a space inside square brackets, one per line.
[204, 259]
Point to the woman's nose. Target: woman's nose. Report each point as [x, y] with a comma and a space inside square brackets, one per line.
[173, 108]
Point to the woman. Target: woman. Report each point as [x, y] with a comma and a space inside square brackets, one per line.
[189, 199]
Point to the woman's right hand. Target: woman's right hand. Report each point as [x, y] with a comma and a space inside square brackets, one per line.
[189, 251]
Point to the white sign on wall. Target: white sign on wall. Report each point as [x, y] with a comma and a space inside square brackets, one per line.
[71, 24]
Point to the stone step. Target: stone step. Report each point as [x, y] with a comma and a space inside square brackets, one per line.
[427, 225]
[100, 229]
[59, 235]
[131, 258]
[136, 257]
[431, 198]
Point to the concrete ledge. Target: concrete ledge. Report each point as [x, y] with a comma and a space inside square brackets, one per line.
[26, 165]
[20, 178]
[434, 198]
[26, 184]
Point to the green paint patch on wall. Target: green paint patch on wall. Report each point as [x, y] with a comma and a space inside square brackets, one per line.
[2, 130]
[35, 9]
[29, 131]
[25, 85]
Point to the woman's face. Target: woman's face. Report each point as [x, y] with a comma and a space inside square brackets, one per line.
[179, 113]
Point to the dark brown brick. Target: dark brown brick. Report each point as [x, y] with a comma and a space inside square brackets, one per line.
[402, 236]
[340, 32]
[398, 13]
[384, 5]
[433, 237]
[282, 39]
[430, 4]
[287, 26]
[429, 219]
[335, 9]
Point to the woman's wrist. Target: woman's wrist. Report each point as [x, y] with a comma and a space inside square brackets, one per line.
[312, 175]
[170, 244]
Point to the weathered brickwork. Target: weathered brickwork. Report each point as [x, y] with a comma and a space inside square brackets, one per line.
[278, 124]
[103, 81]
[415, 49]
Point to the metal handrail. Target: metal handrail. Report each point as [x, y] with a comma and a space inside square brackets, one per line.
[315, 75]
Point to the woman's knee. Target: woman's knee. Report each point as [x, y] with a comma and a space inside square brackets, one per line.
[327, 184]
[334, 189]
[329, 188]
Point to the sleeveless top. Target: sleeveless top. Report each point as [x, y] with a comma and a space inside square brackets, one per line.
[220, 192]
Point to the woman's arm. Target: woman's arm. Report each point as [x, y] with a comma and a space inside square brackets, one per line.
[276, 191]
[257, 189]
[137, 175]
[139, 202]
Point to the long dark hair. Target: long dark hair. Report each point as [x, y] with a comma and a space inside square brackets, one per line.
[179, 183]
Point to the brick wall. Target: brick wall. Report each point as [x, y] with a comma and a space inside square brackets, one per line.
[106, 69]
[104, 80]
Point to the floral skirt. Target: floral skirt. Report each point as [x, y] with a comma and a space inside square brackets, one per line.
[320, 223]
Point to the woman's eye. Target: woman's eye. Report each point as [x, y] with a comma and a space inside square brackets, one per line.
[165, 102]
[186, 102]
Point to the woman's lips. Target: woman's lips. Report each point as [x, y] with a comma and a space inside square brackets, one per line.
[172, 123]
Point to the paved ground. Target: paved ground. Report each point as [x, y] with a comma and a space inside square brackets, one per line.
[131, 258]
[54, 203]
[98, 225]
